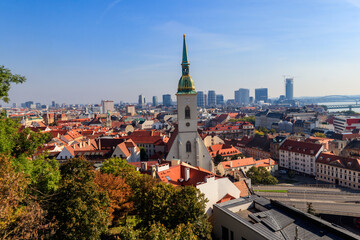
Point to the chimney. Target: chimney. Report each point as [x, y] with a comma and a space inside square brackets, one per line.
[187, 174]
[231, 164]
[209, 178]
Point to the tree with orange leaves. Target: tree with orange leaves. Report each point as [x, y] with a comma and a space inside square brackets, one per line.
[119, 194]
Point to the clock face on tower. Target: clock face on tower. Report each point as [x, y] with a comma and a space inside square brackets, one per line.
[187, 100]
[188, 124]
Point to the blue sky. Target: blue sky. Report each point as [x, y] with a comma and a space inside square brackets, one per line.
[87, 50]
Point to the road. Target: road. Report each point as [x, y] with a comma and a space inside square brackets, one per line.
[330, 201]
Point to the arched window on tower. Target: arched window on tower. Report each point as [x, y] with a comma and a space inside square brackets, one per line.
[188, 146]
[187, 112]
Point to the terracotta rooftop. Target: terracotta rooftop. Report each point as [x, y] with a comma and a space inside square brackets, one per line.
[238, 163]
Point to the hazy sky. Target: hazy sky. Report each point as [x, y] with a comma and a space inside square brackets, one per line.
[84, 51]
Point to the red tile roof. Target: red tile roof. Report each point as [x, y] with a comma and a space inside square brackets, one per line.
[223, 150]
[265, 162]
[243, 187]
[175, 175]
[238, 163]
[226, 198]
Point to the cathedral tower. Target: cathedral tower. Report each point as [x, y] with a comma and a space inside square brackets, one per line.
[188, 145]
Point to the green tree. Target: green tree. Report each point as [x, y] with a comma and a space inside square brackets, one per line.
[81, 210]
[319, 134]
[120, 167]
[310, 208]
[6, 79]
[261, 175]
[291, 174]
[143, 154]
[17, 141]
[160, 232]
[250, 119]
[44, 175]
[217, 159]
[237, 156]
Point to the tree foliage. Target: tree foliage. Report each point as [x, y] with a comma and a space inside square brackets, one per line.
[6, 79]
[80, 209]
[44, 175]
[261, 176]
[310, 208]
[159, 202]
[17, 141]
[319, 134]
[21, 216]
[143, 154]
[119, 194]
[250, 119]
[218, 159]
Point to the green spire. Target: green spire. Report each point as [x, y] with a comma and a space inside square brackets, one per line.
[185, 56]
[186, 84]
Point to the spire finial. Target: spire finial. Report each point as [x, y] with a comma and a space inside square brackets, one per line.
[185, 56]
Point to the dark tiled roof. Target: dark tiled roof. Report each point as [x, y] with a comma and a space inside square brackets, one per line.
[337, 161]
[354, 144]
[260, 142]
[301, 147]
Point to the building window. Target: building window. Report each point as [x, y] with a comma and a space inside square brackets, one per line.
[188, 146]
[224, 233]
[187, 112]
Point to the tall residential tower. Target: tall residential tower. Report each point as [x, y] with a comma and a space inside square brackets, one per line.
[289, 88]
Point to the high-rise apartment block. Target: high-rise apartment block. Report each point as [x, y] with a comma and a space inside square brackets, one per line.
[289, 88]
[211, 98]
[154, 101]
[261, 94]
[219, 99]
[141, 101]
[200, 99]
[107, 106]
[242, 96]
[167, 100]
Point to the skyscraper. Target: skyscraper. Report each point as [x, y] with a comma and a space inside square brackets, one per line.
[167, 100]
[155, 101]
[219, 99]
[200, 99]
[236, 97]
[289, 88]
[141, 101]
[261, 94]
[211, 98]
[243, 96]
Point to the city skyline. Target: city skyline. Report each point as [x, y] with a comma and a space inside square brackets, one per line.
[129, 48]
